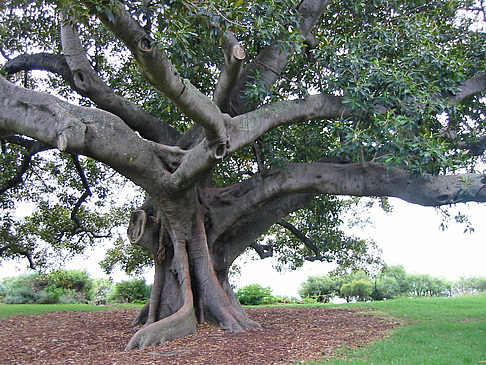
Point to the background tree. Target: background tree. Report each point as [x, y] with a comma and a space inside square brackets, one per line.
[231, 117]
[322, 288]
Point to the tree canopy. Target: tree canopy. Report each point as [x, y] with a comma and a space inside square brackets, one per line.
[233, 118]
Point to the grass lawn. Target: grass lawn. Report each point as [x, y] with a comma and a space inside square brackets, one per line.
[7, 310]
[436, 331]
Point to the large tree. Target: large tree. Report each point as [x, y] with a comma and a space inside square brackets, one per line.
[231, 115]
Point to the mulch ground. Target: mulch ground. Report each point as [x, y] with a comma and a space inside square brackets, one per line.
[287, 335]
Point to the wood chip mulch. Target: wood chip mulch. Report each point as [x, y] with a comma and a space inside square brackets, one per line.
[287, 335]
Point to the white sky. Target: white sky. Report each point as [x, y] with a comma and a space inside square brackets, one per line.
[409, 236]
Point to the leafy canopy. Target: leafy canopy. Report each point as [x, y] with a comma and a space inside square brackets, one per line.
[391, 59]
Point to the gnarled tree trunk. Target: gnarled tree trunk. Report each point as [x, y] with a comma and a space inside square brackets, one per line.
[187, 287]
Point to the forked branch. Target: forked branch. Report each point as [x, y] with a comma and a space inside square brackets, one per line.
[161, 73]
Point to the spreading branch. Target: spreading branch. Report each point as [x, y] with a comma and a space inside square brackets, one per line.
[248, 127]
[231, 206]
[103, 96]
[31, 148]
[271, 60]
[263, 251]
[86, 194]
[302, 237]
[20, 252]
[161, 73]
[74, 129]
[470, 87]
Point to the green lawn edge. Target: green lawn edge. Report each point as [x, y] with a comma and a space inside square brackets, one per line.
[9, 310]
[439, 331]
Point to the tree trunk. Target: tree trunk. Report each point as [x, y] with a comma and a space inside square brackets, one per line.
[187, 287]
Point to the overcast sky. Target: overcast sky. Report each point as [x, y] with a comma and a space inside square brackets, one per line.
[409, 236]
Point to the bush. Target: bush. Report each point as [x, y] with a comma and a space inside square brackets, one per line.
[24, 289]
[473, 285]
[254, 294]
[100, 290]
[130, 291]
[75, 284]
[385, 287]
[2, 292]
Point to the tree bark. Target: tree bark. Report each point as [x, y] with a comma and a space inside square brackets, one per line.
[186, 284]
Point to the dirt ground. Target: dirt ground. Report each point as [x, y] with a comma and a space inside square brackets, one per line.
[287, 335]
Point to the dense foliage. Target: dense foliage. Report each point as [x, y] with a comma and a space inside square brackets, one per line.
[254, 294]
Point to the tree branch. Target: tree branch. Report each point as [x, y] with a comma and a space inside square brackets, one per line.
[16, 251]
[301, 236]
[233, 228]
[271, 61]
[248, 127]
[472, 86]
[161, 73]
[91, 132]
[263, 251]
[32, 147]
[132, 114]
[86, 194]
[230, 204]
[234, 54]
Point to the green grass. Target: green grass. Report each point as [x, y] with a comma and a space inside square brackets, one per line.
[436, 331]
[8, 310]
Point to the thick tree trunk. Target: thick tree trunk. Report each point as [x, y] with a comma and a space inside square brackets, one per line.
[187, 287]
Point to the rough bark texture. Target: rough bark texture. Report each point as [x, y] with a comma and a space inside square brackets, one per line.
[194, 232]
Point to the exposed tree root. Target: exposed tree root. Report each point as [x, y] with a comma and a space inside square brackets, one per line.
[178, 325]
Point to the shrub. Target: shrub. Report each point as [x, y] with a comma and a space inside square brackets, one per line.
[100, 290]
[254, 294]
[24, 289]
[74, 283]
[472, 285]
[385, 287]
[2, 292]
[130, 291]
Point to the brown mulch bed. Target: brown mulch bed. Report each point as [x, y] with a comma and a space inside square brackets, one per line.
[287, 335]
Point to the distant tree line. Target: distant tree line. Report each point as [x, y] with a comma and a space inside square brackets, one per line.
[70, 286]
[392, 282]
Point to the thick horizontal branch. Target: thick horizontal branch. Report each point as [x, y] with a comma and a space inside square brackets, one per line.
[97, 91]
[248, 127]
[470, 87]
[41, 61]
[232, 204]
[372, 180]
[264, 251]
[233, 228]
[79, 130]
